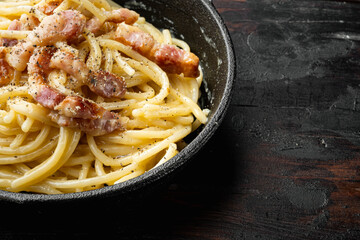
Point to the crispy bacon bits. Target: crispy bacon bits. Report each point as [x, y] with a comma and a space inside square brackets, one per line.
[122, 15]
[6, 72]
[64, 26]
[102, 83]
[106, 84]
[169, 57]
[49, 6]
[71, 111]
[116, 16]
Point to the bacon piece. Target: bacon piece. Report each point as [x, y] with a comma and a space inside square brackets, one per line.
[106, 84]
[69, 111]
[96, 127]
[169, 57]
[64, 26]
[71, 64]
[93, 25]
[28, 22]
[77, 112]
[6, 72]
[49, 6]
[78, 107]
[102, 83]
[25, 23]
[68, 106]
[116, 16]
[20, 54]
[39, 62]
[122, 15]
[45, 95]
[8, 42]
[15, 25]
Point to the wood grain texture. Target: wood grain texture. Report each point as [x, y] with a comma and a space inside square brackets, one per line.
[285, 163]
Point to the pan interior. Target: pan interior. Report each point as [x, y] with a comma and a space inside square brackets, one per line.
[196, 22]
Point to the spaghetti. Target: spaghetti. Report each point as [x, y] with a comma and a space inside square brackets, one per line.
[85, 102]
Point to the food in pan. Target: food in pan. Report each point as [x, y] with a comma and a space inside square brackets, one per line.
[91, 95]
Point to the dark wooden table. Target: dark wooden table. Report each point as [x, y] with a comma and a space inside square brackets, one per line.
[290, 168]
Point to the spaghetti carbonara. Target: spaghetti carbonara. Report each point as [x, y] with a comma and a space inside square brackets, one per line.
[91, 95]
